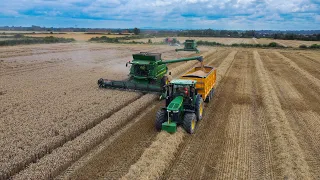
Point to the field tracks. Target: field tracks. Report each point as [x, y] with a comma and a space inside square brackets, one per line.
[20, 163]
[112, 141]
[294, 66]
[156, 158]
[61, 158]
[28, 68]
[311, 58]
[225, 66]
[255, 40]
[290, 162]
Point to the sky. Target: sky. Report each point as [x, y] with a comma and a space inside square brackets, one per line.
[164, 14]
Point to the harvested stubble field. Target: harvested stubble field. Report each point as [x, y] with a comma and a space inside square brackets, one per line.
[210, 39]
[76, 36]
[287, 43]
[55, 123]
[230, 41]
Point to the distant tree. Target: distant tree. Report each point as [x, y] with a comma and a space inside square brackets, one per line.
[273, 44]
[149, 41]
[136, 31]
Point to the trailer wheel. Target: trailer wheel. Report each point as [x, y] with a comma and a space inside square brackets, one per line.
[199, 107]
[212, 93]
[189, 122]
[208, 98]
[161, 117]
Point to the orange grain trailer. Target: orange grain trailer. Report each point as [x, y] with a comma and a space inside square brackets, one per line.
[205, 78]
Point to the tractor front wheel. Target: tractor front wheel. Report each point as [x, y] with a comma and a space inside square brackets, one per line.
[199, 107]
[161, 117]
[189, 122]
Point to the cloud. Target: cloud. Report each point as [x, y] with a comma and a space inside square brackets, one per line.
[216, 14]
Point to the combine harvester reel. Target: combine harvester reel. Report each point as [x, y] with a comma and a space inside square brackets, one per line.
[189, 45]
[147, 73]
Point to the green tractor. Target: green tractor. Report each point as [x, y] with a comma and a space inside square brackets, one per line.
[189, 45]
[184, 106]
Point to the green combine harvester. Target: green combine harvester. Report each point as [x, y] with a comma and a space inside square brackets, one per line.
[147, 73]
[189, 45]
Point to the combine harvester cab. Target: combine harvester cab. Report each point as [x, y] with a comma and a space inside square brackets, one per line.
[184, 100]
[147, 73]
[189, 45]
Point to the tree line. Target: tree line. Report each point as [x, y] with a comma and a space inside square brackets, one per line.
[248, 34]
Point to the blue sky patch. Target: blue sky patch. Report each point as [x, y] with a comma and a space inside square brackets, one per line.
[175, 14]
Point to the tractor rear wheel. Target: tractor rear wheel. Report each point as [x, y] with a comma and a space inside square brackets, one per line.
[161, 117]
[199, 107]
[189, 122]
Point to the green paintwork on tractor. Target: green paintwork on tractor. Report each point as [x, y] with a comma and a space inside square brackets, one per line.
[169, 127]
[189, 45]
[175, 104]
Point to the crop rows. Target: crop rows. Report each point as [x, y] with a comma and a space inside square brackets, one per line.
[101, 118]
[50, 165]
[289, 157]
[53, 115]
[157, 157]
[41, 113]
[155, 160]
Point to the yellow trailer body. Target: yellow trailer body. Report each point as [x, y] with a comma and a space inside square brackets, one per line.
[205, 78]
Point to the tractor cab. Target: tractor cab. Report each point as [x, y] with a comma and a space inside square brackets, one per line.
[180, 87]
[184, 106]
[190, 44]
